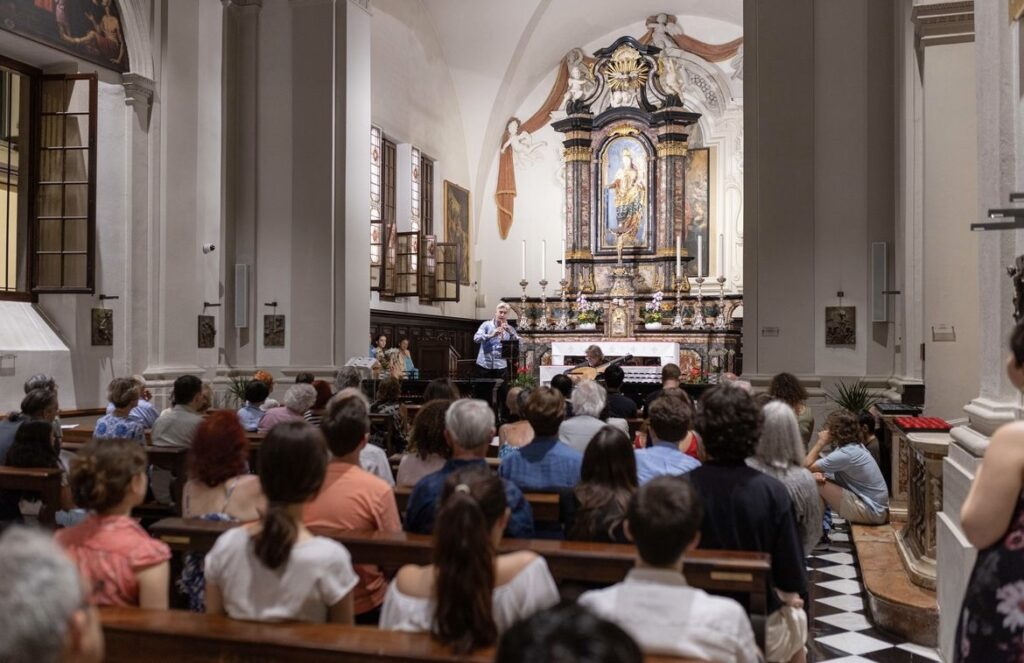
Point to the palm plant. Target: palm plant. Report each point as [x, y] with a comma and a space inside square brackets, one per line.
[236, 389]
[854, 398]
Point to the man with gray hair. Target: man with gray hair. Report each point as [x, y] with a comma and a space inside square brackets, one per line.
[347, 376]
[45, 612]
[588, 401]
[468, 430]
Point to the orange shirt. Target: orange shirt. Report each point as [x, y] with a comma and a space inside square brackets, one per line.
[354, 499]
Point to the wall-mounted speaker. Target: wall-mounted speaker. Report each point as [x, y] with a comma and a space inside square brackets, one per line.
[879, 282]
[241, 296]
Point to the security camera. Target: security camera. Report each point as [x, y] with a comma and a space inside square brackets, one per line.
[209, 248]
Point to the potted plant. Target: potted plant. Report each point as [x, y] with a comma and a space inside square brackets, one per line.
[587, 314]
[652, 312]
[236, 389]
[524, 378]
[855, 398]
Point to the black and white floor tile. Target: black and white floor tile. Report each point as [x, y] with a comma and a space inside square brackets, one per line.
[840, 630]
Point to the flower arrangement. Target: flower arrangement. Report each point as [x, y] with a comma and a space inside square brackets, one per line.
[586, 311]
[693, 375]
[652, 309]
[524, 377]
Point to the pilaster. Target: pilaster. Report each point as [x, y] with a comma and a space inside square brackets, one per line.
[578, 156]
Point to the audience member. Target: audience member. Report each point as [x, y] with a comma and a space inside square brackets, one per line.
[317, 411]
[848, 478]
[38, 405]
[441, 389]
[427, 452]
[123, 394]
[347, 377]
[545, 463]
[352, 498]
[691, 444]
[670, 421]
[275, 569]
[297, 400]
[144, 412]
[408, 367]
[780, 454]
[992, 518]
[387, 403]
[34, 446]
[377, 350]
[252, 412]
[563, 384]
[670, 375]
[747, 510]
[43, 381]
[617, 405]
[588, 400]
[372, 458]
[607, 482]
[207, 401]
[519, 433]
[305, 377]
[120, 563]
[469, 595]
[266, 378]
[868, 426]
[175, 428]
[654, 604]
[46, 615]
[787, 388]
[567, 633]
[468, 429]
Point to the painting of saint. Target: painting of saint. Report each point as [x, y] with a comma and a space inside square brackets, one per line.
[456, 225]
[625, 194]
[697, 202]
[89, 29]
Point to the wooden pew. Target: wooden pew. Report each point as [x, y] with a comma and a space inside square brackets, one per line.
[44, 481]
[543, 505]
[720, 571]
[169, 636]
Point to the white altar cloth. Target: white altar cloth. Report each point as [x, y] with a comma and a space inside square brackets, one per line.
[667, 353]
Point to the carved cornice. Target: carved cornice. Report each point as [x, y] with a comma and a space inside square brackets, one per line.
[138, 90]
[943, 23]
[672, 149]
[578, 153]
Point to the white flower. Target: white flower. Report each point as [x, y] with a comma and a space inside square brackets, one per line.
[1011, 604]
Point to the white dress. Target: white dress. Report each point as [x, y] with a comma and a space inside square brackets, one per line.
[533, 589]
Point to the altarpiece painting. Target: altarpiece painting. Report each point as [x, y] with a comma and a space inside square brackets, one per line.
[89, 29]
[456, 224]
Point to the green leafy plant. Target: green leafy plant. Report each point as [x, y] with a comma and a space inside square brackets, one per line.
[524, 378]
[854, 398]
[236, 389]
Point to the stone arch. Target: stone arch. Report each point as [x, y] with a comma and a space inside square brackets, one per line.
[135, 25]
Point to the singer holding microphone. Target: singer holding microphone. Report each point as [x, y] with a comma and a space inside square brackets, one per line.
[489, 362]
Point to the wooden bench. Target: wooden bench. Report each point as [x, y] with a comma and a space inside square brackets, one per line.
[169, 636]
[718, 571]
[544, 505]
[44, 481]
[172, 459]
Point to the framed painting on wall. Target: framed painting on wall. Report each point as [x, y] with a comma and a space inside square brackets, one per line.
[456, 224]
[88, 29]
[626, 197]
[840, 325]
[697, 210]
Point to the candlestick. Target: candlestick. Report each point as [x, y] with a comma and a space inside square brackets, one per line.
[563, 262]
[563, 319]
[698, 313]
[677, 322]
[523, 272]
[543, 259]
[542, 322]
[679, 255]
[524, 319]
[721, 255]
[720, 318]
[700, 256]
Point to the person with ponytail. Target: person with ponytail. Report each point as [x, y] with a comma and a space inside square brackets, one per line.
[120, 563]
[275, 569]
[470, 594]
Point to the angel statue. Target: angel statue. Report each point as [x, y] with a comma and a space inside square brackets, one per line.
[672, 74]
[524, 148]
[663, 33]
[581, 78]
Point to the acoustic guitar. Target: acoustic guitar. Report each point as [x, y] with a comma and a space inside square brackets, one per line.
[585, 372]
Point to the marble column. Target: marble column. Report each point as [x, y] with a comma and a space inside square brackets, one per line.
[672, 126]
[578, 157]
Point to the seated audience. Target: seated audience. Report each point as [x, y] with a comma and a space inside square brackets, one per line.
[468, 429]
[441, 389]
[352, 498]
[46, 615]
[372, 458]
[123, 394]
[347, 377]
[608, 481]
[219, 488]
[868, 426]
[469, 595]
[38, 405]
[545, 463]
[267, 379]
[511, 414]
[34, 446]
[427, 452]
[780, 454]
[305, 377]
[670, 375]
[297, 400]
[120, 563]
[992, 516]
[786, 387]
[654, 604]
[409, 369]
[174, 428]
[512, 436]
[670, 421]
[388, 404]
[207, 401]
[275, 569]
[252, 412]
[44, 381]
[319, 408]
[567, 633]
[617, 404]
[588, 400]
[848, 478]
[144, 412]
[563, 384]
[747, 510]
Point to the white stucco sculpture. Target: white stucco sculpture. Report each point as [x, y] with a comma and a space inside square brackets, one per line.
[524, 149]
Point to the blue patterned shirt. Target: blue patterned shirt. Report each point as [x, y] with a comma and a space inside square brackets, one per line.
[664, 458]
[113, 427]
[144, 413]
[543, 464]
[250, 416]
[489, 356]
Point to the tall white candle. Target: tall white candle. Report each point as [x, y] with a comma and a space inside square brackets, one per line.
[524, 261]
[721, 254]
[700, 255]
[543, 259]
[563, 259]
[679, 255]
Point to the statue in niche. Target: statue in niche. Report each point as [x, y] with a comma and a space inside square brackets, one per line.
[581, 78]
[1017, 276]
[524, 148]
[629, 200]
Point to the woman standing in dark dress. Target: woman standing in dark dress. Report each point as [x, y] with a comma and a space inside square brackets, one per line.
[991, 624]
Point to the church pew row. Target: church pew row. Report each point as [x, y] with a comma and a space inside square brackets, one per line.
[543, 505]
[717, 571]
[169, 636]
[42, 481]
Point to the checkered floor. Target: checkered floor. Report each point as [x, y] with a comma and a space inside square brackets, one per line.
[839, 629]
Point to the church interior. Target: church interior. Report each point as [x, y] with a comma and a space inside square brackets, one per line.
[282, 276]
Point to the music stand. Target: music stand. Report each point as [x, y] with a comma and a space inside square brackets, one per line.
[510, 353]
